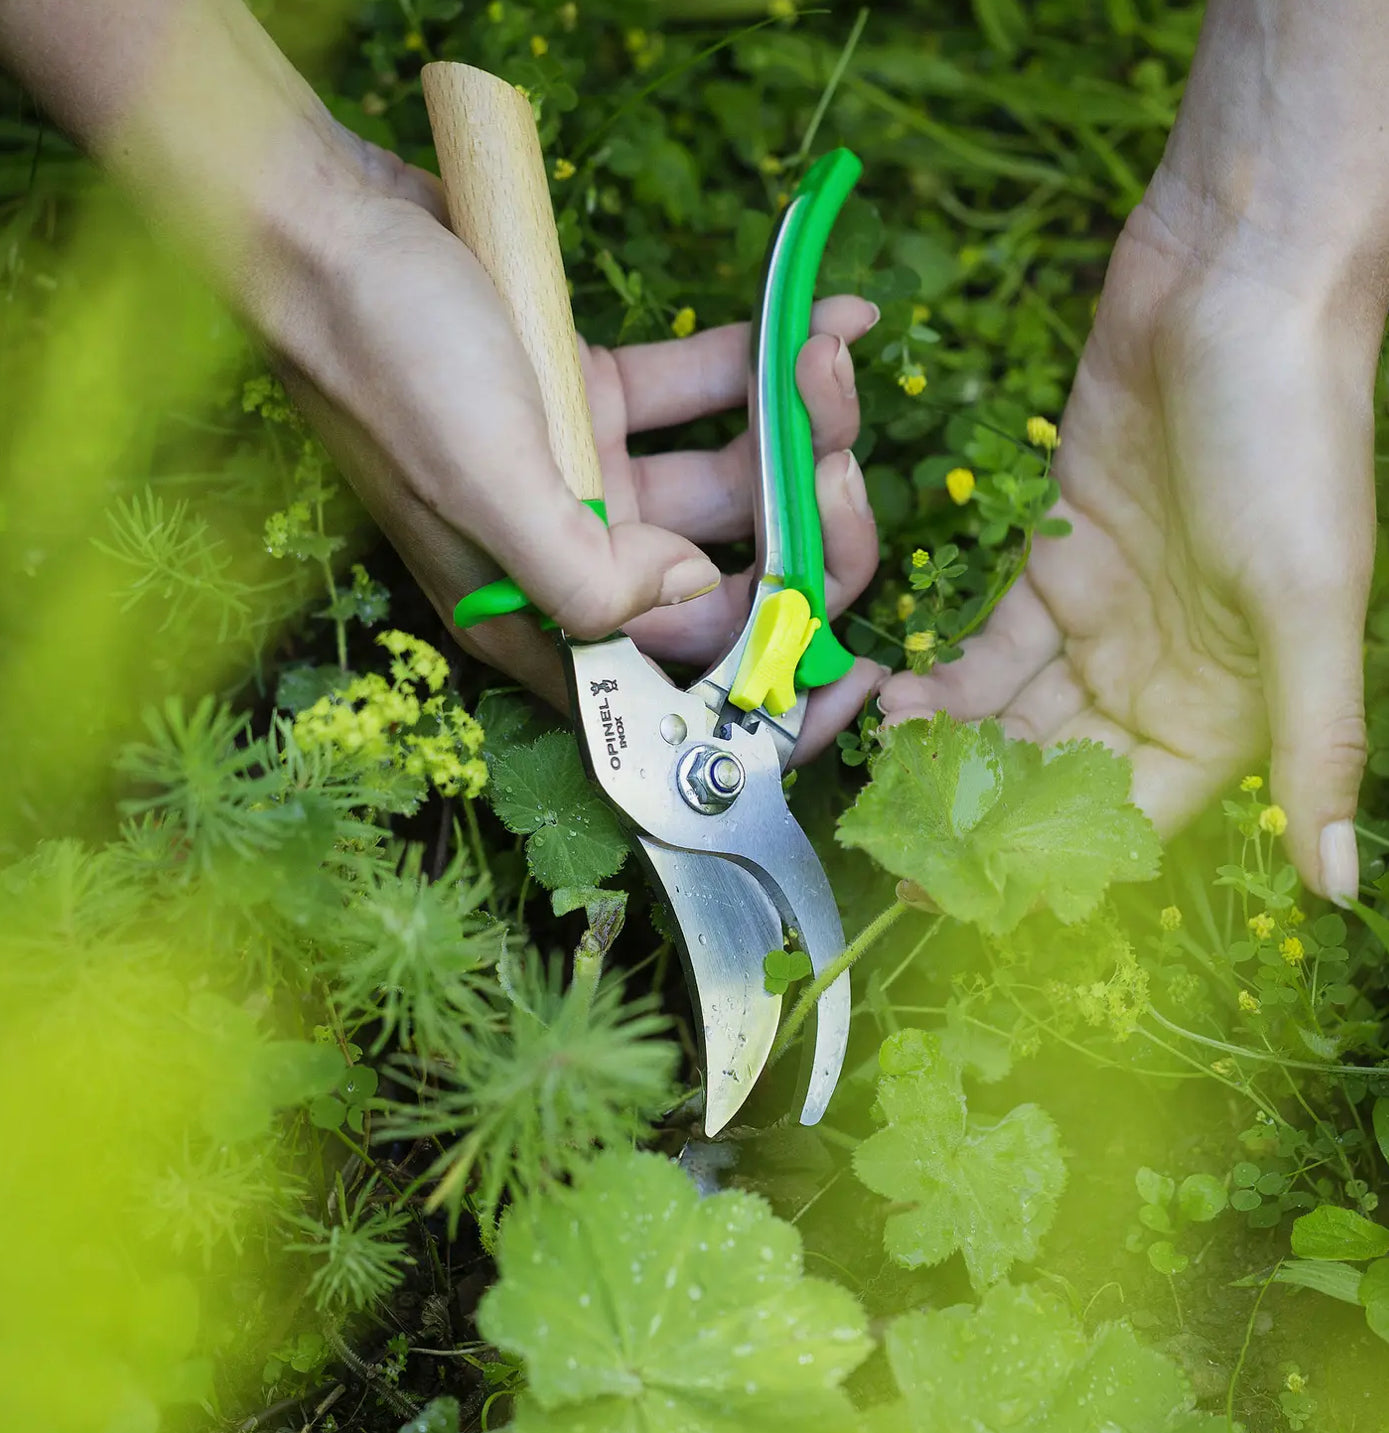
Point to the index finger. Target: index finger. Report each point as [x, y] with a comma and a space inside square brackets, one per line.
[681, 379]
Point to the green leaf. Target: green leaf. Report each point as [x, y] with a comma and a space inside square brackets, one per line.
[541, 791]
[1337, 1281]
[991, 827]
[1330, 1232]
[1373, 1293]
[1154, 1188]
[1201, 1197]
[988, 1190]
[638, 1304]
[780, 968]
[1163, 1256]
[1021, 1362]
[440, 1415]
[1379, 927]
[1381, 1123]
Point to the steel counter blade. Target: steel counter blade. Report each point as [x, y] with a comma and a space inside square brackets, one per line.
[727, 925]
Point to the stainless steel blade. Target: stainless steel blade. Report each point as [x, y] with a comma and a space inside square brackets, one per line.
[727, 925]
[622, 705]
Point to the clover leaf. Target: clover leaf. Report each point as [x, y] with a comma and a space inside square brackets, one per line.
[540, 790]
[1021, 1362]
[988, 1190]
[990, 827]
[638, 1305]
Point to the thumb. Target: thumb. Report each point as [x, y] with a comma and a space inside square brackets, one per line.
[1311, 655]
[590, 578]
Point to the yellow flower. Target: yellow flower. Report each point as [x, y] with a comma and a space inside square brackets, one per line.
[1252, 783]
[906, 605]
[1295, 1382]
[635, 39]
[770, 164]
[915, 643]
[920, 313]
[1296, 917]
[1170, 918]
[563, 170]
[959, 483]
[912, 384]
[495, 11]
[539, 45]
[920, 557]
[1041, 433]
[569, 15]
[1274, 820]
[1249, 1003]
[782, 9]
[1291, 950]
[1261, 925]
[683, 324]
[414, 41]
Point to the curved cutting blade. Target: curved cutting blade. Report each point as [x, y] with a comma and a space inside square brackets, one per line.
[727, 925]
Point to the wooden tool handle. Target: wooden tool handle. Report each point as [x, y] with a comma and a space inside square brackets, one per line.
[499, 204]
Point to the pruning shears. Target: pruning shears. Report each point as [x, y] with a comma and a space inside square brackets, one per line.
[695, 774]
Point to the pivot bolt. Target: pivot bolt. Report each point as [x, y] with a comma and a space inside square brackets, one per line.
[710, 779]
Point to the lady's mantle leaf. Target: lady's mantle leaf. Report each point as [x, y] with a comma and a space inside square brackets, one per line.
[540, 790]
[639, 1305]
[988, 1190]
[989, 827]
[1020, 1361]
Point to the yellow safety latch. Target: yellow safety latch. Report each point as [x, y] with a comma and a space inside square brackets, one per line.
[767, 674]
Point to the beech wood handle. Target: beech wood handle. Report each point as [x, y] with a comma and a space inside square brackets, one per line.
[499, 205]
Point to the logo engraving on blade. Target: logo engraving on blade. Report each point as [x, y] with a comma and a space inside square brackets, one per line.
[598, 688]
[614, 728]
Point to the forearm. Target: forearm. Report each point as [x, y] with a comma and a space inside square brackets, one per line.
[1280, 152]
[192, 106]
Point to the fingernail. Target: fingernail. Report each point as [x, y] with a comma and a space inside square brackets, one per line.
[844, 370]
[877, 314]
[689, 579]
[1340, 862]
[854, 489]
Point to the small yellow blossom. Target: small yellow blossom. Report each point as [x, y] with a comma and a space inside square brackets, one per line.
[1296, 916]
[906, 605]
[1041, 433]
[1274, 820]
[539, 45]
[495, 11]
[414, 41]
[915, 643]
[1261, 925]
[959, 483]
[1170, 918]
[1295, 1382]
[1249, 1003]
[564, 169]
[920, 558]
[920, 313]
[770, 164]
[683, 324]
[782, 9]
[782, 200]
[636, 39]
[1252, 783]
[1224, 1067]
[568, 15]
[1291, 950]
[912, 384]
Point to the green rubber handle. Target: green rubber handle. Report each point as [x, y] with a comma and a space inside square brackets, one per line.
[503, 597]
[790, 291]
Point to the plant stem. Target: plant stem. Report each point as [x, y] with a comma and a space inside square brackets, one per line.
[827, 94]
[1267, 1059]
[875, 928]
[1244, 1351]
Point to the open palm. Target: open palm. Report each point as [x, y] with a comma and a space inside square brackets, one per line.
[1216, 463]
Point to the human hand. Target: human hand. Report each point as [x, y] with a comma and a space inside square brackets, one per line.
[1217, 465]
[396, 346]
